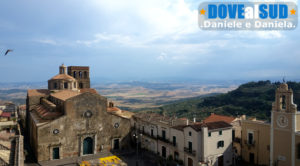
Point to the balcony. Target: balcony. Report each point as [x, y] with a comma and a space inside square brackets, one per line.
[163, 139]
[249, 144]
[175, 144]
[149, 135]
[190, 151]
[237, 140]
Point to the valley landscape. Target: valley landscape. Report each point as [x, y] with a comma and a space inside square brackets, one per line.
[131, 96]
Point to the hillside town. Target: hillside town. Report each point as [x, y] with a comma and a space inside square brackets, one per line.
[70, 123]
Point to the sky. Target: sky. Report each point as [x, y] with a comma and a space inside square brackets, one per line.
[124, 40]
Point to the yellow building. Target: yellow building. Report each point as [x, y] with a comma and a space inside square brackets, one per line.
[255, 142]
[276, 143]
[285, 125]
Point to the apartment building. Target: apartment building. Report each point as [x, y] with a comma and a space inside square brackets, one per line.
[236, 131]
[156, 130]
[189, 143]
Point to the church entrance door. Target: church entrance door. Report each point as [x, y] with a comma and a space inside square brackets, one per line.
[88, 146]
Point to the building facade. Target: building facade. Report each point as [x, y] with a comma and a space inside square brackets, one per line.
[236, 131]
[256, 142]
[188, 143]
[276, 143]
[69, 119]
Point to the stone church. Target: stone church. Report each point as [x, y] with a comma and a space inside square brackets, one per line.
[70, 119]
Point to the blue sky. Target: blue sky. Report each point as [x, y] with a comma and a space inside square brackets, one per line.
[136, 40]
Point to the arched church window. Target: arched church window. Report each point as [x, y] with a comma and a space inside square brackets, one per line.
[66, 85]
[283, 102]
[298, 151]
[74, 74]
[55, 85]
[85, 74]
[80, 74]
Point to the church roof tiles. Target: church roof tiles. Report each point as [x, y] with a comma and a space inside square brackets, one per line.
[38, 92]
[65, 94]
[62, 77]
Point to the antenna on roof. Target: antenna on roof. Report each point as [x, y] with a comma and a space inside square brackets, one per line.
[283, 79]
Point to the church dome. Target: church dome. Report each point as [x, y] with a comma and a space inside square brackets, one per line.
[63, 77]
[62, 81]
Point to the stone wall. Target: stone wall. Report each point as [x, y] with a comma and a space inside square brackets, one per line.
[85, 116]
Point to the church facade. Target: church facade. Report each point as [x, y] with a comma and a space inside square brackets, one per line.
[69, 119]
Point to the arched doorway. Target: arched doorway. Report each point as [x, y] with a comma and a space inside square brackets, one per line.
[163, 152]
[190, 162]
[88, 146]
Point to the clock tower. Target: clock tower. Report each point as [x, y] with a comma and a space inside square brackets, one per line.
[284, 117]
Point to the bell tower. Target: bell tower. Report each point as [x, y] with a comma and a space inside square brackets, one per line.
[284, 100]
[283, 127]
[81, 74]
[62, 69]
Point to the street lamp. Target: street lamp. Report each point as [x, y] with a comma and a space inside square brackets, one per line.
[137, 136]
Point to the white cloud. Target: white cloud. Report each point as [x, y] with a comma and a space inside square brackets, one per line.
[269, 34]
[254, 34]
[150, 20]
[162, 56]
[102, 37]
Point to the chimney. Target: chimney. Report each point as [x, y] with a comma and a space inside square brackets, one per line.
[187, 121]
[243, 117]
[194, 120]
[110, 104]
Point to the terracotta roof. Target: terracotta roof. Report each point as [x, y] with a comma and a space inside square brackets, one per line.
[215, 118]
[117, 111]
[46, 114]
[183, 118]
[113, 109]
[217, 125]
[38, 92]
[91, 90]
[6, 114]
[62, 77]
[22, 107]
[65, 94]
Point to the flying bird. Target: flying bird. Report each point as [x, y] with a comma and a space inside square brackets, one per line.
[7, 51]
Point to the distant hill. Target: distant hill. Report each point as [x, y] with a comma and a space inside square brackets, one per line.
[252, 99]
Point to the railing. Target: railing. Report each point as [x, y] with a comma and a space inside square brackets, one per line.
[237, 140]
[163, 139]
[149, 135]
[174, 144]
[190, 151]
[249, 144]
